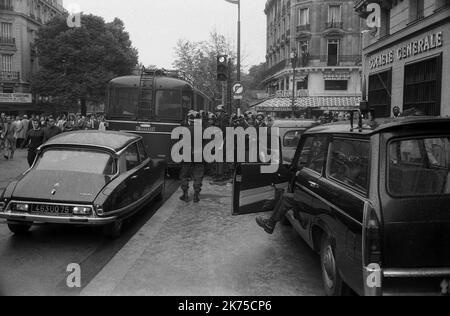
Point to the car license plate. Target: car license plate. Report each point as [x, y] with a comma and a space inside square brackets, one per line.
[52, 209]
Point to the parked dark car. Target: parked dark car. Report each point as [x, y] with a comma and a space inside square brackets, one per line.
[84, 178]
[374, 202]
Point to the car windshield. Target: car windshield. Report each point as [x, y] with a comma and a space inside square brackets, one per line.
[419, 166]
[81, 161]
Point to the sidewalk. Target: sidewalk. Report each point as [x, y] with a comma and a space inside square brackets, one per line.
[201, 250]
[11, 169]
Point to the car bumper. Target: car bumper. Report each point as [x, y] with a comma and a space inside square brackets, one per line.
[401, 282]
[74, 220]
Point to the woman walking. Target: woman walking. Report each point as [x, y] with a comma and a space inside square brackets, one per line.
[35, 138]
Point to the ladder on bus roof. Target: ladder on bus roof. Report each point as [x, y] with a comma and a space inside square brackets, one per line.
[146, 88]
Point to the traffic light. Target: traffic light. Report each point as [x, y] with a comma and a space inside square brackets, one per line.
[222, 68]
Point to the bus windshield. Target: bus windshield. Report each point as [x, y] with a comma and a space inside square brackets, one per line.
[168, 104]
[123, 102]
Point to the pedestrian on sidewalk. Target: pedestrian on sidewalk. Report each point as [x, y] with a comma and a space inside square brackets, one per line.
[18, 127]
[35, 138]
[194, 170]
[51, 130]
[10, 141]
[23, 133]
[2, 130]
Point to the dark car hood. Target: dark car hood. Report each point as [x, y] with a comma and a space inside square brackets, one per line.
[60, 186]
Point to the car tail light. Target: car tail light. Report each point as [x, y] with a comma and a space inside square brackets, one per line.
[21, 207]
[372, 242]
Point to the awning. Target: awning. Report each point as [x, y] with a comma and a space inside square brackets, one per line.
[338, 103]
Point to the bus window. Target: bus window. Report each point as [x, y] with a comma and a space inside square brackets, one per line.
[168, 104]
[123, 102]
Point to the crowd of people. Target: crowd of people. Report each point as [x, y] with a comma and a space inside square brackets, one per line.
[20, 132]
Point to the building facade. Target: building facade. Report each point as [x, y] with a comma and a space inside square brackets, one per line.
[19, 23]
[326, 37]
[406, 59]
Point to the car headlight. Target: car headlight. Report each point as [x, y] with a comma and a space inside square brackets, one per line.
[82, 211]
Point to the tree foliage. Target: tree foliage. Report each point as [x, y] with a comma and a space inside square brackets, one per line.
[76, 64]
[199, 60]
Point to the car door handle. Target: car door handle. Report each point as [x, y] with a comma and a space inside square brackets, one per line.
[134, 177]
[313, 185]
[147, 169]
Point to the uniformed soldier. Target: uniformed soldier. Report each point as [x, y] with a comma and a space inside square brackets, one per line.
[192, 170]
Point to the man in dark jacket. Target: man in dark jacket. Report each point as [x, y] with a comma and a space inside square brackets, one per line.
[35, 138]
[51, 130]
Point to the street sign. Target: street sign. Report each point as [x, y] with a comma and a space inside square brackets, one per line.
[238, 91]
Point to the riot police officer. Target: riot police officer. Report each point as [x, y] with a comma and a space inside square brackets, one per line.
[192, 170]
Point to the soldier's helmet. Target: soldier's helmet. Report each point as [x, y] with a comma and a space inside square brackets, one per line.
[260, 116]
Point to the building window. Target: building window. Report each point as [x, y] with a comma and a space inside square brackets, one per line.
[423, 86]
[6, 63]
[303, 49]
[6, 4]
[380, 87]
[303, 17]
[334, 14]
[6, 30]
[336, 85]
[333, 49]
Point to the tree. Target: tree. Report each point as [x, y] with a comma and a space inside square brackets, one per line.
[199, 60]
[76, 64]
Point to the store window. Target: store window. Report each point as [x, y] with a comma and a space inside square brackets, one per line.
[423, 86]
[380, 89]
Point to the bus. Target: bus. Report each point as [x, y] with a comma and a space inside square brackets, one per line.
[152, 105]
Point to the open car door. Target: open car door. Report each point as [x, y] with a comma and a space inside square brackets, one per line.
[252, 189]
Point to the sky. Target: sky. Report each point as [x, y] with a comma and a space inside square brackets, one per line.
[155, 26]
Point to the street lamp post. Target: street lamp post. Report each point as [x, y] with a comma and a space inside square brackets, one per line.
[238, 2]
[294, 60]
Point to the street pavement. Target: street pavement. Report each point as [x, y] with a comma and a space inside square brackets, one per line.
[170, 248]
[11, 169]
[36, 264]
[202, 250]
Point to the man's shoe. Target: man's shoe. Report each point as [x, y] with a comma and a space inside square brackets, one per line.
[266, 225]
[196, 198]
[185, 197]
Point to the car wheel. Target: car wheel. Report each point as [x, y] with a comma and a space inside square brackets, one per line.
[332, 280]
[19, 228]
[113, 230]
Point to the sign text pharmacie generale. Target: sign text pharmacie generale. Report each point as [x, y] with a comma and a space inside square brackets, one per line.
[414, 48]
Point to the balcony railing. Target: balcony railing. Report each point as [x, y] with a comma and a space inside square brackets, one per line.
[303, 27]
[338, 60]
[277, 68]
[7, 41]
[6, 7]
[9, 76]
[334, 25]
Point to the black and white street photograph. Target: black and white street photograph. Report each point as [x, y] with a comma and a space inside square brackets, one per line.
[224, 153]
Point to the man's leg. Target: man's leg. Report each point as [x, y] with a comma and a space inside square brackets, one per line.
[198, 174]
[185, 177]
[286, 203]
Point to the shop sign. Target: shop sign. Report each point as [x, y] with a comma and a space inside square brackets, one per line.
[423, 45]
